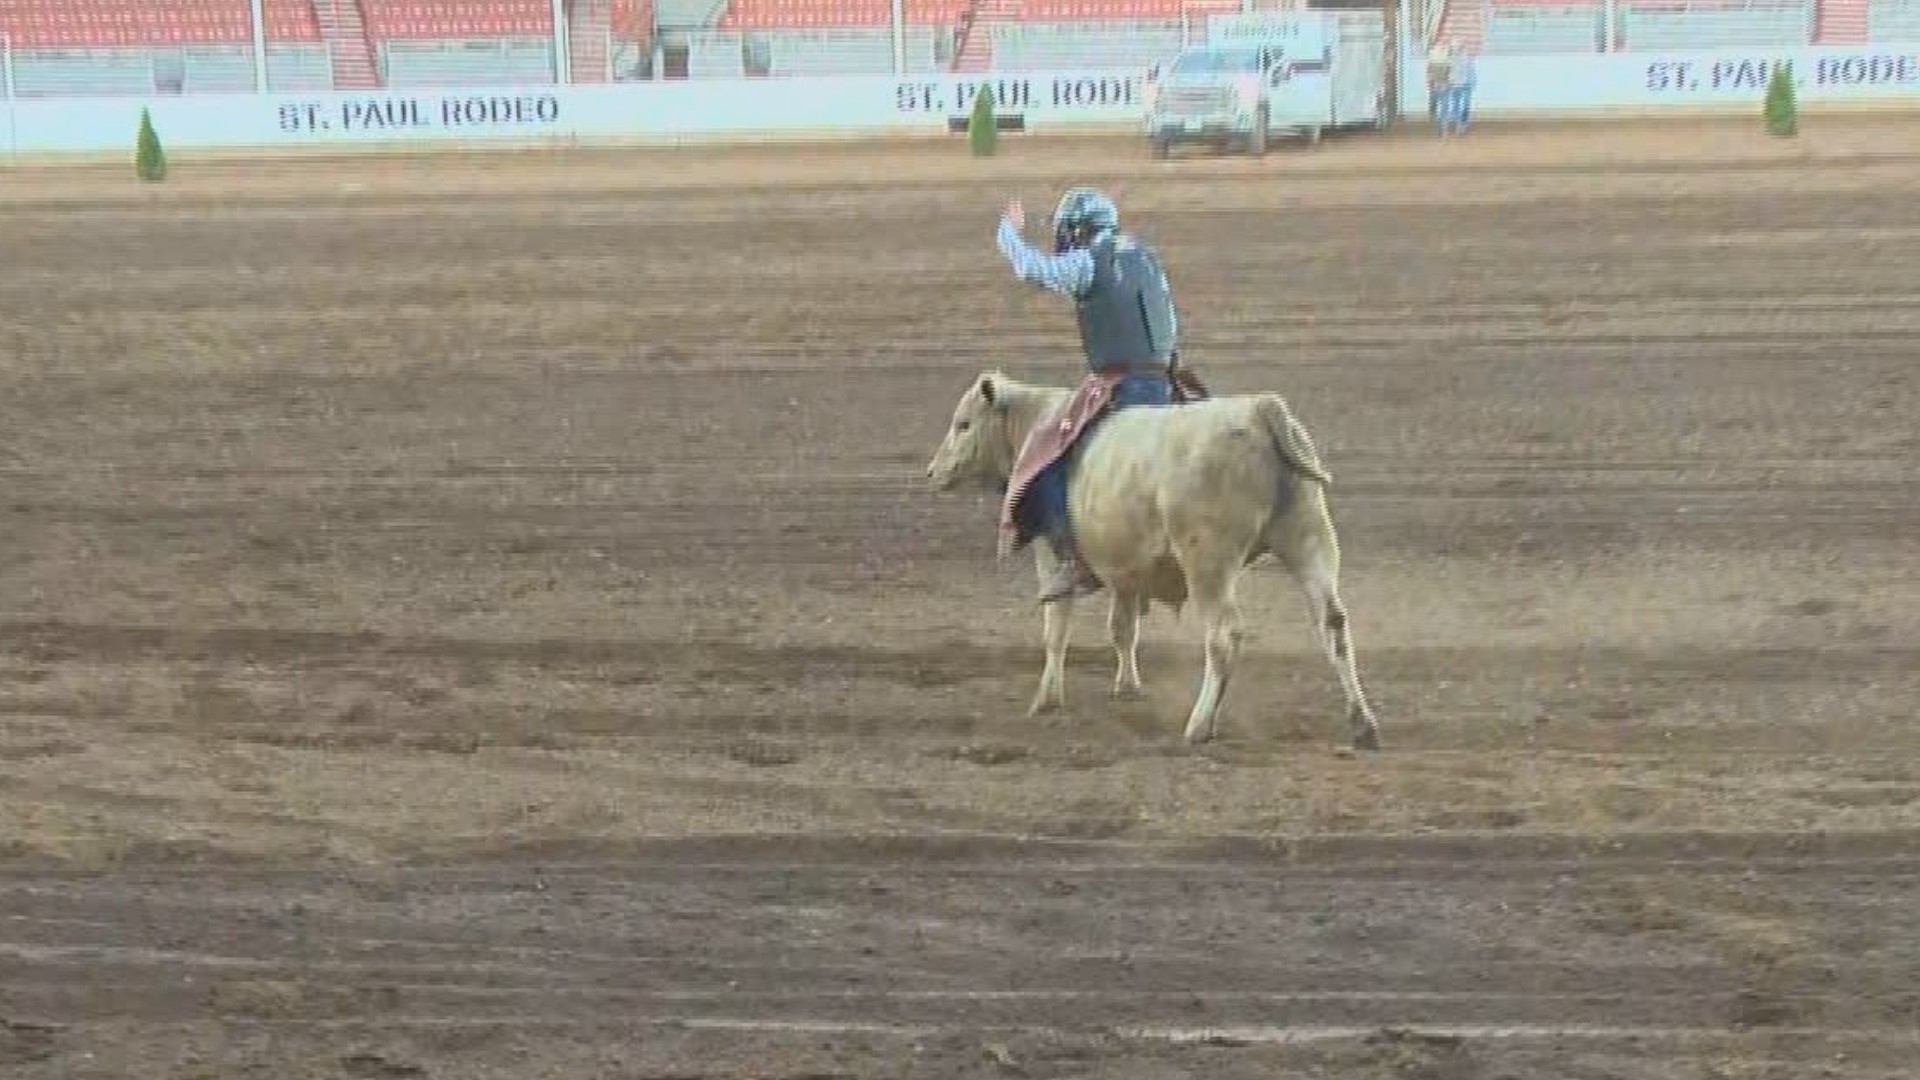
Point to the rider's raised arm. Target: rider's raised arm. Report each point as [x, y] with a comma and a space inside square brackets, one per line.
[1070, 273]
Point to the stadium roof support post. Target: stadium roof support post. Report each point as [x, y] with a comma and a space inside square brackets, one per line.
[1394, 35]
[256, 13]
[562, 62]
[899, 38]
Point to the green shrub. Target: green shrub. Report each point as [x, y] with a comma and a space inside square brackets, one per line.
[1782, 111]
[149, 160]
[981, 131]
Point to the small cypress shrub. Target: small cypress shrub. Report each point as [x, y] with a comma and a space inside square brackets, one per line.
[981, 132]
[149, 160]
[1782, 111]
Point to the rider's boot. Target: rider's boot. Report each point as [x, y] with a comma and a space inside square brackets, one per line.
[1070, 576]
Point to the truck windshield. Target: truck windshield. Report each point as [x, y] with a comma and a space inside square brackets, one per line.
[1218, 62]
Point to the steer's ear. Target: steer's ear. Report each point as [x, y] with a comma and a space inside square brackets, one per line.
[986, 389]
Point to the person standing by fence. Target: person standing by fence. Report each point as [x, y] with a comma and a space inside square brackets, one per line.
[1457, 104]
[1438, 70]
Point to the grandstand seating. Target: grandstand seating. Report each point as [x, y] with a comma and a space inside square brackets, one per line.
[475, 61]
[689, 13]
[447, 19]
[1556, 26]
[1027, 46]
[205, 46]
[1516, 28]
[290, 20]
[109, 23]
[777, 14]
[65, 47]
[840, 51]
[629, 52]
[793, 14]
[1892, 20]
[455, 42]
[104, 24]
[716, 54]
[1051, 11]
[589, 39]
[933, 12]
[1463, 21]
[818, 37]
[1008, 35]
[1714, 24]
[968, 45]
[1841, 22]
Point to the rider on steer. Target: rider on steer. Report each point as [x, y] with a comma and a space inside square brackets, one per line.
[1128, 334]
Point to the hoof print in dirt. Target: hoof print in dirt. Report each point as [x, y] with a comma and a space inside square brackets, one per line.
[987, 754]
[1428, 1055]
[1757, 1009]
[376, 1067]
[762, 755]
[22, 1044]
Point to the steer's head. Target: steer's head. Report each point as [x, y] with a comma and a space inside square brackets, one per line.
[978, 445]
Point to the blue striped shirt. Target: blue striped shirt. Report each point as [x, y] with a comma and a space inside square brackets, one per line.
[1069, 273]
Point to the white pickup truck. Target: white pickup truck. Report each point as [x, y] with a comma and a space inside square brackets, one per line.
[1270, 74]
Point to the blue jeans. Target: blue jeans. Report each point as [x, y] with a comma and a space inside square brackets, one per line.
[1455, 103]
[1044, 509]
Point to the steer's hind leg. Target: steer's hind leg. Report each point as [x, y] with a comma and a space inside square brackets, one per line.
[1337, 640]
[1123, 625]
[1212, 596]
[1318, 569]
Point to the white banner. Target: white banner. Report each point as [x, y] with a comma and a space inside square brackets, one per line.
[1719, 77]
[689, 108]
[875, 103]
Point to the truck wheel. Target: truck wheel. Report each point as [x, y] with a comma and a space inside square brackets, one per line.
[1257, 142]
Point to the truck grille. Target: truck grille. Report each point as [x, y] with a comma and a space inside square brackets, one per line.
[1195, 100]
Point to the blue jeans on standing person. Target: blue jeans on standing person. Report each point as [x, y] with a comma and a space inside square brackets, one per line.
[1456, 103]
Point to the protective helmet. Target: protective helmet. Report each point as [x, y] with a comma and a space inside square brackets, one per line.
[1083, 213]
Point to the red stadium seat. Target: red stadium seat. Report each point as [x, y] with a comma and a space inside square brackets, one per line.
[804, 14]
[290, 20]
[33, 24]
[630, 17]
[458, 18]
[784, 14]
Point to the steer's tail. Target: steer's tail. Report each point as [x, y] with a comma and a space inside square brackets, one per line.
[1290, 438]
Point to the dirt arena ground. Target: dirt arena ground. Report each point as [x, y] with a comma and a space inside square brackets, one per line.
[482, 617]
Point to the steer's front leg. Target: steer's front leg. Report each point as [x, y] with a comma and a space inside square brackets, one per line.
[1057, 625]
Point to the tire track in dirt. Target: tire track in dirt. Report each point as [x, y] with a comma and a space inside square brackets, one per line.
[723, 658]
[1549, 935]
